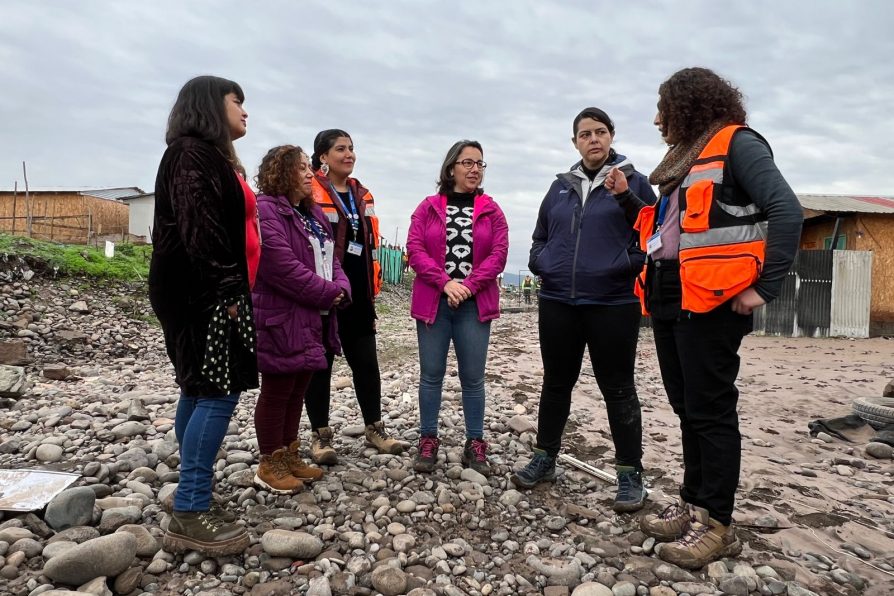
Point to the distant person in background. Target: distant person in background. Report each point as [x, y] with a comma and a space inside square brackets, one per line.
[299, 284]
[587, 301]
[457, 245]
[205, 255]
[350, 209]
[720, 243]
[527, 288]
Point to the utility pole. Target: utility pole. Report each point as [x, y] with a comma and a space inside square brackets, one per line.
[27, 201]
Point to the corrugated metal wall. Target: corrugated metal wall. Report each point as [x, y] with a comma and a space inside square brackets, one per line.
[851, 293]
[826, 293]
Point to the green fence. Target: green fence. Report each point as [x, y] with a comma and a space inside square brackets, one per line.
[392, 263]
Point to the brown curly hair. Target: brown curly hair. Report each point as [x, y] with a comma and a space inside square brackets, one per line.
[278, 172]
[694, 99]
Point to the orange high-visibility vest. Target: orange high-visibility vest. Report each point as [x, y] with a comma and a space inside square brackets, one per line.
[722, 232]
[369, 228]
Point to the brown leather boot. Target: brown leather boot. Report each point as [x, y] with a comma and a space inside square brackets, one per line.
[321, 451]
[706, 540]
[206, 533]
[296, 465]
[668, 525]
[378, 437]
[273, 474]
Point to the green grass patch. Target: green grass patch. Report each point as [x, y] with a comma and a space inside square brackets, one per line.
[131, 261]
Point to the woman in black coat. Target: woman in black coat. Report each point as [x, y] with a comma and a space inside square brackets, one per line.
[205, 250]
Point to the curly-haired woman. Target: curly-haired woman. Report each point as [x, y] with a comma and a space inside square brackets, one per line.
[299, 284]
[720, 242]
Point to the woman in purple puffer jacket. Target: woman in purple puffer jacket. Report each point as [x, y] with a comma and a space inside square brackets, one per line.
[299, 283]
[457, 246]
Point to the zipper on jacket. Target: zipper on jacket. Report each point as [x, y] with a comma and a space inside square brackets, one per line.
[580, 222]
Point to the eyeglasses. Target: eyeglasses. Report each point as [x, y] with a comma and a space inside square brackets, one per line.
[468, 163]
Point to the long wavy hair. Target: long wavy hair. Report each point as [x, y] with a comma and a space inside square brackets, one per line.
[200, 112]
[445, 179]
[694, 99]
[278, 172]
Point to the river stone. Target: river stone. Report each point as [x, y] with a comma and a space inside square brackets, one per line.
[28, 546]
[295, 545]
[97, 586]
[11, 534]
[114, 518]
[592, 589]
[389, 581]
[147, 544]
[880, 450]
[128, 429]
[55, 548]
[128, 581]
[72, 507]
[49, 453]
[319, 586]
[104, 556]
[77, 534]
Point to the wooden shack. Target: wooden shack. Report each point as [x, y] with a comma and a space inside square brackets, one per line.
[72, 216]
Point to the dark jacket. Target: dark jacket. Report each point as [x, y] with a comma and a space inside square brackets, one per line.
[587, 252]
[289, 295]
[198, 260]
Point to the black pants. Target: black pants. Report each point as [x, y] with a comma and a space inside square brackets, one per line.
[699, 360]
[360, 352]
[610, 333]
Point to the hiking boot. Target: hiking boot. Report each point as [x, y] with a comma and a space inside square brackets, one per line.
[321, 451]
[475, 456]
[631, 493]
[273, 474]
[706, 540]
[668, 525]
[427, 455]
[215, 508]
[541, 468]
[204, 532]
[297, 467]
[378, 437]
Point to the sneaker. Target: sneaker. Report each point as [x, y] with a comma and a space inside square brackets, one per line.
[427, 455]
[541, 468]
[297, 467]
[706, 540]
[378, 437]
[631, 495]
[273, 474]
[204, 532]
[475, 456]
[321, 451]
[668, 525]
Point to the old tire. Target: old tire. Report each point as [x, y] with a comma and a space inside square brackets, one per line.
[877, 411]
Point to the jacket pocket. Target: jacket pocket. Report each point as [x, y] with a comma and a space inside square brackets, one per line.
[277, 332]
[699, 197]
[710, 280]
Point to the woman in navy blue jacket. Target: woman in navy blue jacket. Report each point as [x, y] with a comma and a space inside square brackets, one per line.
[587, 256]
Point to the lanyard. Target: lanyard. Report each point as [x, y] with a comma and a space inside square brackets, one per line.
[352, 215]
[662, 210]
[314, 227]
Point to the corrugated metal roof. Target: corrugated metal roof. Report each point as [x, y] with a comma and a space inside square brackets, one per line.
[847, 203]
[113, 193]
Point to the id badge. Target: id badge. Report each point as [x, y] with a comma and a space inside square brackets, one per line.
[355, 248]
[653, 243]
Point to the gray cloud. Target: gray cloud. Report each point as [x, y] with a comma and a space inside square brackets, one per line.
[88, 86]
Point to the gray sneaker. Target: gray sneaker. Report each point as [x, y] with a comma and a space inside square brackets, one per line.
[541, 468]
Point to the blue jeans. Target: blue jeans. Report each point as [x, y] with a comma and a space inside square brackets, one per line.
[200, 426]
[470, 340]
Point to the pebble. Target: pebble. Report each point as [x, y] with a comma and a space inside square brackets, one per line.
[880, 450]
[71, 507]
[286, 543]
[103, 556]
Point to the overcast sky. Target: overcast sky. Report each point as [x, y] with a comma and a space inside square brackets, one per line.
[87, 86]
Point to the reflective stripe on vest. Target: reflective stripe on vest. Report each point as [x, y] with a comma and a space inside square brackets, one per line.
[722, 237]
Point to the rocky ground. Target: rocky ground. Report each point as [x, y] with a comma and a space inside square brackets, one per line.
[816, 514]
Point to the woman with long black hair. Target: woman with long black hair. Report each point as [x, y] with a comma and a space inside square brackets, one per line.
[206, 249]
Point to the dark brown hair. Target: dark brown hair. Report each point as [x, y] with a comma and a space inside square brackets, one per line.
[694, 99]
[278, 172]
[200, 112]
[445, 179]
